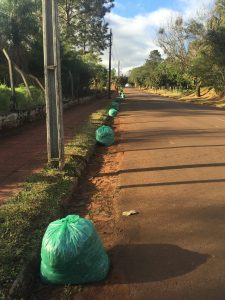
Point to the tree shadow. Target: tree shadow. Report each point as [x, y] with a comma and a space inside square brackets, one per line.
[143, 263]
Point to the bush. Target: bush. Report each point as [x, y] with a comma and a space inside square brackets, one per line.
[23, 99]
[25, 102]
[5, 95]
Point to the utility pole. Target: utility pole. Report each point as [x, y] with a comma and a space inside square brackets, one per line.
[110, 64]
[118, 80]
[53, 90]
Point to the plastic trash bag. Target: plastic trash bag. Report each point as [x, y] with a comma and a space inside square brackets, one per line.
[115, 105]
[72, 253]
[122, 95]
[105, 135]
[113, 112]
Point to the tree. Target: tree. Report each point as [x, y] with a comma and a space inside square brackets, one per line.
[19, 25]
[83, 25]
[173, 41]
[208, 63]
[84, 34]
[155, 57]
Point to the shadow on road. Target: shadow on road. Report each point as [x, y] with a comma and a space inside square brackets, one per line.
[172, 183]
[164, 168]
[154, 262]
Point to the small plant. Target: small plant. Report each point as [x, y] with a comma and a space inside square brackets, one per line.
[23, 99]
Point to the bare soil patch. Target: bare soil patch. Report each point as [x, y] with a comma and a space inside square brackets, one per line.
[95, 199]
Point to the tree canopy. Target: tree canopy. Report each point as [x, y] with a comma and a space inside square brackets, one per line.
[193, 54]
[83, 35]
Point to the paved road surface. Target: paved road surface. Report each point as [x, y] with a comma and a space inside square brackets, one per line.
[24, 152]
[173, 173]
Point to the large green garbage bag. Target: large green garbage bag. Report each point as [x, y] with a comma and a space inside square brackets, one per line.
[115, 105]
[105, 135]
[113, 112]
[118, 99]
[72, 253]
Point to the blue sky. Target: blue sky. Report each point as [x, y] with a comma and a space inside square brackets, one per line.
[128, 8]
[135, 24]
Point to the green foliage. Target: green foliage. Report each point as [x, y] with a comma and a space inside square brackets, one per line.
[83, 25]
[158, 72]
[208, 61]
[19, 25]
[5, 96]
[84, 35]
[24, 101]
[194, 55]
[122, 81]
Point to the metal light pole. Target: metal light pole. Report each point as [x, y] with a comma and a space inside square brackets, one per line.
[53, 90]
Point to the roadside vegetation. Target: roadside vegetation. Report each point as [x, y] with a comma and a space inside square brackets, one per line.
[193, 57]
[24, 100]
[82, 44]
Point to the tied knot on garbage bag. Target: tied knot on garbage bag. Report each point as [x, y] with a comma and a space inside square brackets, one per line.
[72, 253]
[105, 135]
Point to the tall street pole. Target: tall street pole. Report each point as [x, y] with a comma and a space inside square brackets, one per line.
[110, 64]
[53, 90]
[118, 80]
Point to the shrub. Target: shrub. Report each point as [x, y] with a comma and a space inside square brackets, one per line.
[23, 99]
[5, 95]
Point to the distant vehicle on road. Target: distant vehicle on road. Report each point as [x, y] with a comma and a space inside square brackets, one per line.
[127, 85]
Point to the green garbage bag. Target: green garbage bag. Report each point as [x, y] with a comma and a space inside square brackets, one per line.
[113, 112]
[105, 135]
[72, 253]
[122, 95]
[117, 99]
[115, 105]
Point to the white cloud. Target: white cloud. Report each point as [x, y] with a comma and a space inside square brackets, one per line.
[193, 7]
[134, 38]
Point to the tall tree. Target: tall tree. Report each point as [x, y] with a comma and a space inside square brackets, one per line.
[19, 25]
[173, 41]
[83, 25]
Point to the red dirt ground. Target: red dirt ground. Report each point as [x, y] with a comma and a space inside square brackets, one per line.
[23, 151]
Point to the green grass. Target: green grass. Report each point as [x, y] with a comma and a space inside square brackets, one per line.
[25, 217]
[23, 99]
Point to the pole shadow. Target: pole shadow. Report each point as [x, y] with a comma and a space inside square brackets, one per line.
[142, 263]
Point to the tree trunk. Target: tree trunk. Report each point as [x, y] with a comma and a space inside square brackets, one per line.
[198, 89]
[72, 84]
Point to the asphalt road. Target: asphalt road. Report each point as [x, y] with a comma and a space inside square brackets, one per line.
[173, 174]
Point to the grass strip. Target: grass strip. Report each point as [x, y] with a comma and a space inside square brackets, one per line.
[25, 217]
[208, 96]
